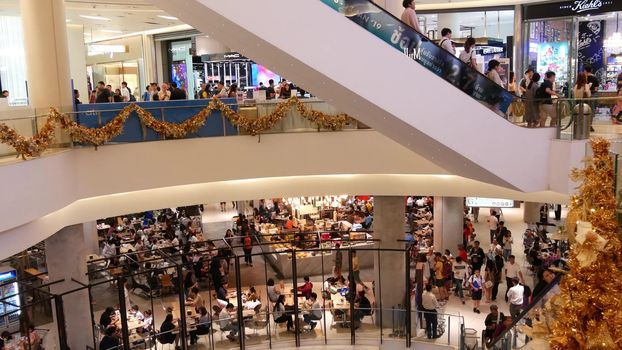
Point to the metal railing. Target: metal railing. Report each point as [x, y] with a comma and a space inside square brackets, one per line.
[216, 125]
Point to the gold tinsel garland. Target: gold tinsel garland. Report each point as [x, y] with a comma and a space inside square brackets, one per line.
[34, 146]
[589, 308]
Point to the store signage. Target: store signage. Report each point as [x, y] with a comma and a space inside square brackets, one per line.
[425, 52]
[571, 8]
[591, 40]
[489, 202]
[225, 56]
[491, 50]
[103, 49]
[8, 275]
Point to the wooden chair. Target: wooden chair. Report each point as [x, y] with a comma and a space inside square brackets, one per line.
[166, 283]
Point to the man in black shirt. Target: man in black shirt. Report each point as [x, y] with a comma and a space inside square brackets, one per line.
[546, 92]
[591, 79]
[110, 341]
[176, 93]
[270, 92]
[103, 94]
[76, 97]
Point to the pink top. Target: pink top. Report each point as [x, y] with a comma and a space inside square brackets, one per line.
[409, 16]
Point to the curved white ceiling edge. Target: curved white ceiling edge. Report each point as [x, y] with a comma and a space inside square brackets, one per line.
[472, 4]
[377, 184]
[38, 187]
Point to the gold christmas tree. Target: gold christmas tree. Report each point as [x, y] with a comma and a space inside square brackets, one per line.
[588, 311]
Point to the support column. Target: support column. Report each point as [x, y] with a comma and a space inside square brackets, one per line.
[77, 59]
[91, 240]
[389, 267]
[449, 20]
[531, 212]
[518, 43]
[65, 253]
[47, 54]
[448, 223]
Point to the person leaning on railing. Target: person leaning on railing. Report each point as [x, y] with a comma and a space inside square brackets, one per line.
[546, 92]
[616, 111]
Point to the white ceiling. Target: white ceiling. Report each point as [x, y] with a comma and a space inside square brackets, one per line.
[125, 16]
[448, 4]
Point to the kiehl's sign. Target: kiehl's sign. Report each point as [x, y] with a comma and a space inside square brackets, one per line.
[571, 8]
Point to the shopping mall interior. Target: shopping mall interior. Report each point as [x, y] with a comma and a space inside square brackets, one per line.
[454, 179]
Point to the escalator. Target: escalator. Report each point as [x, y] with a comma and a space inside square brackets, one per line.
[521, 331]
[429, 102]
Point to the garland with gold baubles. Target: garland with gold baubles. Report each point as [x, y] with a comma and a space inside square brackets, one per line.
[37, 144]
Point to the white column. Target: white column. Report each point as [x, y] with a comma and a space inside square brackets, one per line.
[47, 55]
[448, 223]
[518, 42]
[150, 74]
[392, 6]
[451, 21]
[390, 269]
[77, 60]
[65, 255]
[91, 240]
[531, 212]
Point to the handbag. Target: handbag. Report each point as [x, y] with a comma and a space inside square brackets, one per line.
[488, 284]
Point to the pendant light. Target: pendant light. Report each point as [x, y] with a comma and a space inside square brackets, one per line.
[614, 42]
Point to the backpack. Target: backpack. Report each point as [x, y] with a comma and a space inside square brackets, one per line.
[541, 92]
[132, 98]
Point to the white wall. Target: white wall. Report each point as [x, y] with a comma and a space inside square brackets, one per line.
[46, 194]
[77, 60]
[206, 45]
[364, 77]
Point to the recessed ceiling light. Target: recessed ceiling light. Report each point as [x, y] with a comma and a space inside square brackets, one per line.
[111, 31]
[67, 20]
[97, 18]
[168, 17]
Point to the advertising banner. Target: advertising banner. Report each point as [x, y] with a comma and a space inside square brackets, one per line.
[591, 42]
[421, 49]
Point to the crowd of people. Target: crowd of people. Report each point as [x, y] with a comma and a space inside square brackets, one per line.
[479, 271]
[104, 93]
[538, 91]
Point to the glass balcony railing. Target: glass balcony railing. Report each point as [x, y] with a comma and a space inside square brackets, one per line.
[513, 330]
[134, 130]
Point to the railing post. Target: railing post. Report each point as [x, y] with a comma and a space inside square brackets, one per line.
[295, 292]
[182, 308]
[60, 322]
[123, 312]
[407, 303]
[240, 309]
[448, 330]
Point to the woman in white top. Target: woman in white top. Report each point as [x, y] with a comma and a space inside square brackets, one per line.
[468, 55]
[494, 68]
[409, 16]
[582, 90]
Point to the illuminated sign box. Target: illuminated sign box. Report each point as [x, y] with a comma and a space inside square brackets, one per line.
[489, 202]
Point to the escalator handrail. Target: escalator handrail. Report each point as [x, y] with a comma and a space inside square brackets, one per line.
[535, 301]
[424, 38]
[463, 65]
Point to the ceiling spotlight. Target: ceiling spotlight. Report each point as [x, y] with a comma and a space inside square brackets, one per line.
[96, 18]
[168, 17]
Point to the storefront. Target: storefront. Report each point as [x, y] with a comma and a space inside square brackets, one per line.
[563, 37]
[492, 28]
[116, 61]
[190, 58]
